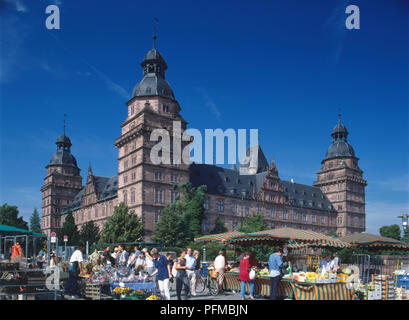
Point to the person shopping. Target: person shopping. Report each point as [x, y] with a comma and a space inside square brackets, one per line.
[244, 276]
[163, 273]
[219, 266]
[181, 276]
[275, 263]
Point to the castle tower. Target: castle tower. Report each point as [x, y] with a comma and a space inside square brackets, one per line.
[143, 186]
[61, 184]
[340, 178]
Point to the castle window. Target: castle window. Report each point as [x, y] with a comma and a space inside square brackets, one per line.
[158, 175]
[285, 215]
[313, 218]
[206, 204]
[103, 210]
[258, 209]
[234, 208]
[247, 211]
[133, 195]
[158, 196]
[339, 186]
[89, 214]
[174, 178]
[295, 217]
[133, 176]
[96, 212]
[125, 197]
[339, 197]
[272, 211]
[157, 216]
[322, 220]
[133, 145]
[304, 217]
[111, 208]
[173, 195]
[220, 205]
[125, 178]
[126, 164]
[133, 160]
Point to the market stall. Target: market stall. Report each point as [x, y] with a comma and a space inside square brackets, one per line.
[289, 288]
[300, 285]
[120, 282]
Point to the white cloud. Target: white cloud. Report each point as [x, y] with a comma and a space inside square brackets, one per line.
[210, 104]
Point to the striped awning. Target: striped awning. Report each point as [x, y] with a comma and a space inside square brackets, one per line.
[374, 241]
[220, 237]
[297, 245]
[299, 236]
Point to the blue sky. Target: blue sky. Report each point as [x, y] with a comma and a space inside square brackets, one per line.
[284, 67]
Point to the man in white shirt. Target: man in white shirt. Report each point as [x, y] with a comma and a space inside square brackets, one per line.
[190, 270]
[74, 269]
[219, 266]
[123, 255]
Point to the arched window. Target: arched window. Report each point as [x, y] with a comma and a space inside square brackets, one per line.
[125, 198]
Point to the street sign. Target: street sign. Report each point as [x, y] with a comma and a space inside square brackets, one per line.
[53, 237]
[65, 238]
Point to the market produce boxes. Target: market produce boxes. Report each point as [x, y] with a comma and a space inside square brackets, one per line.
[92, 290]
[402, 281]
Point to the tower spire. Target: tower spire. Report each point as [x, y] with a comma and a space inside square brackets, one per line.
[65, 116]
[154, 32]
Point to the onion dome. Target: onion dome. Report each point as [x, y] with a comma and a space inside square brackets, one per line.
[340, 147]
[63, 155]
[153, 82]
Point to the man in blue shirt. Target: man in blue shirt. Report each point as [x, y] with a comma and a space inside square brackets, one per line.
[163, 273]
[191, 270]
[275, 263]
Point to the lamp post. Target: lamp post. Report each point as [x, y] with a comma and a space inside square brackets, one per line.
[404, 218]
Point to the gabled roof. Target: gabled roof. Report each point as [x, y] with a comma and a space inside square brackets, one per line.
[105, 188]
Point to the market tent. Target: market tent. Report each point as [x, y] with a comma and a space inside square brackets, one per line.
[9, 230]
[220, 237]
[372, 240]
[288, 234]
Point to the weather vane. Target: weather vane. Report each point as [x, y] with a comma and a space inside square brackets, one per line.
[156, 20]
[65, 116]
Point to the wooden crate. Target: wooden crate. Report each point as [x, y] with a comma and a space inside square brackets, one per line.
[92, 290]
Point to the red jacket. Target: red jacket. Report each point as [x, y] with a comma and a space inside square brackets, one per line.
[244, 270]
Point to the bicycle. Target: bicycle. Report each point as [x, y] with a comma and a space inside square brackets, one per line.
[204, 282]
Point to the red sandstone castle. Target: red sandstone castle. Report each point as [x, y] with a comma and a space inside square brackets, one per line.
[336, 202]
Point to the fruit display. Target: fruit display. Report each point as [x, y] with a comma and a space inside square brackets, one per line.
[153, 297]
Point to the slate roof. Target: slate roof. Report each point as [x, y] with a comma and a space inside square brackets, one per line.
[106, 188]
[340, 149]
[302, 195]
[63, 157]
[152, 85]
[229, 182]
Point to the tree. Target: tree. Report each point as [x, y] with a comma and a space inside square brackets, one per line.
[69, 228]
[9, 217]
[219, 226]
[122, 226]
[35, 224]
[169, 230]
[89, 232]
[253, 224]
[193, 210]
[392, 231]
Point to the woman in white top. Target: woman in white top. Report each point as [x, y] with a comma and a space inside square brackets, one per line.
[219, 266]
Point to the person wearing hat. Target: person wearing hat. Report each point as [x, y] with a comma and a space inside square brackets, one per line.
[275, 263]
